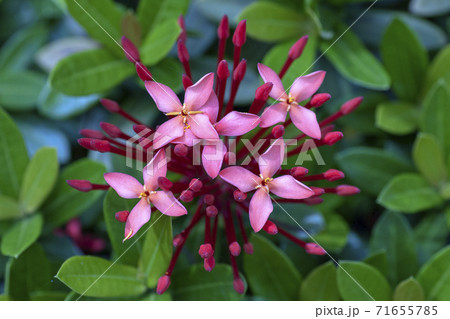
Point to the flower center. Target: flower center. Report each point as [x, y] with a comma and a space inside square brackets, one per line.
[290, 100]
[184, 113]
[264, 183]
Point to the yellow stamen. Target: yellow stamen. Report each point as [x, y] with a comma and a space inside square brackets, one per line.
[173, 113]
[128, 236]
[290, 100]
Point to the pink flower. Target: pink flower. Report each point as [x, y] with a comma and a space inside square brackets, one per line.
[192, 119]
[128, 187]
[284, 186]
[302, 88]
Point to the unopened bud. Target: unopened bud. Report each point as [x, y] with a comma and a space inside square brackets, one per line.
[187, 196]
[332, 137]
[110, 105]
[239, 72]
[195, 185]
[239, 35]
[209, 199]
[101, 146]
[91, 133]
[299, 171]
[131, 52]
[222, 70]
[278, 131]
[239, 196]
[143, 73]
[163, 284]
[211, 211]
[347, 190]
[164, 183]
[177, 240]
[111, 129]
[333, 175]
[180, 150]
[317, 190]
[223, 31]
[187, 81]
[80, 184]
[248, 248]
[297, 48]
[314, 249]
[238, 285]
[319, 99]
[183, 54]
[263, 91]
[351, 105]
[73, 228]
[209, 263]
[313, 201]
[86, 143]
[122, 216]
[235, 248]
[140, 128]
[270, 228]
[206, 251]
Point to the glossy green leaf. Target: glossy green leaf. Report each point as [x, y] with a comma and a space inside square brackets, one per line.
[434, 276]
[159, 42]
[354, 62]
[409, 290]
[435, 118]
[379, 261]
[439, 68]
[194, 283]
[370, 168]
[97, 277]
[101, 19]
[408, 193]
[397, 117]
[131, 28]
[321, 284]
[21, 235]
[65, 203]
[268, 21]
[88, 72]
[405, 59]
[167, 71]
[430, 236]
[19, 90]
[334, 236]
[429, 158]
[393, 234]
[39, 179]
[154, 12]
[360, 282]
[282, 284]
[157, 248]
[13, 157]
[9, 208]
[429, 8]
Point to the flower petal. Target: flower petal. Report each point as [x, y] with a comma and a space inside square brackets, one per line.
[260, 208]
[270, 75]
[201, 126]
[197, 94]
[212, 157]
[125, 185]
[187, 139]
[166, 100]
[274, 114]
[167, 204]
[139, 215]
[287, 186]
[168, 131]
[305, 120]
[237, 123]
[305, 86]
[211, 107]
[240, 177]
[157, 167]
[270, 162]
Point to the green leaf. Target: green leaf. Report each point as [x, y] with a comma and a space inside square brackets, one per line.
[321, 284]
[409, 193]
[159, 41]
[88, 72]
[379, 261]
[434, 276]
[282, 284]
[65, 203]
[354, 62]
[194, 283]
[131, 28]
[101, 19]
[112, 204]
[13, 157]
[19, 90]
[435, 118]
[28, 273]
[334, 236]
[405, 59]
[39, 179]
[429, 159]
[409, 290]
[393, 234]
[370, 168]
[157, 249]
[429, 8]
[439, 68]
[430, 236]
[152, 13]
[268, 21]
[360, 282]
[21, 235]
[9, 208]
[167, 71]
[396, 117]
[97, 277]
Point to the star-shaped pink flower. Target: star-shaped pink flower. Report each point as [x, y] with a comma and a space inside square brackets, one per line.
[302, 88]
[127, 186]
[284, 186]
[192, 119]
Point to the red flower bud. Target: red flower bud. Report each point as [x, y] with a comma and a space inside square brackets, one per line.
[122, 216]
[187, 82]
[178, 240]
[299, 171]
[163, 284]
[187, 196]
[238, 285]
[270, 228]
[140, 128]
[239, 34]
[131, 52]
[183, 54]
[347, 190]
[239, 72]
[110, 105]
[180, 150]
[351, 105]
[91, 133]
[101, 145]
[314, 249]
[80, 184]
[223, 31]
[206, 251]
[313, 201]
[86, 143]
[332, 137]
[211, 211]
[333, 175]
[278, 131]
[110, 129]
[222, 70]
[239, 196]
[235, 248]
[318, 99]
[143, 73]
[73, 228]
[248, 248]
[195, 184]
[209, 263]
[297, 48]
[164, 183]
[262, 92]
[209, 199]
[317, 190]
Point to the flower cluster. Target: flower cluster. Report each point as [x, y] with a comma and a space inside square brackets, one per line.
[219, 180]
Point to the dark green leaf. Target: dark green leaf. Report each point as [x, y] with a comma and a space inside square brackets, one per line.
[439, 68]
[9, 208]
[321, 284]
[429, 8]
[282, 284]
[157, 248]
[334, 236]
[21, 235]
[397, 117]
[405, 59]
[434, 276]
[98, 277]
[429, 159]
[409, 290]
[154, 12]
[39, 178]
[359, 282]
[168, 72]
[131, 28]
[393, 234]
[408, 193]
[194, 283]
[88, 72]
[379, 261]
[370, 168]
[430, 236]
[19, 90]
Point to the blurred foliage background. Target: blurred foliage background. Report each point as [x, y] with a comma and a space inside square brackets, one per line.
[56, 63]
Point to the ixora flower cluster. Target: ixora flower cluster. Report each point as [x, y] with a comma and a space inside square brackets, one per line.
[220, 184]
